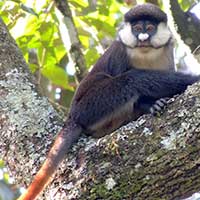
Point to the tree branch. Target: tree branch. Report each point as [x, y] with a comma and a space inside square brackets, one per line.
[74, 49]
[187, 24]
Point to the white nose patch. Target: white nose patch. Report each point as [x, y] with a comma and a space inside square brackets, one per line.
[143, 36]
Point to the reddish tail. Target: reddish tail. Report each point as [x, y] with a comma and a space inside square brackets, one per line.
[65, 139]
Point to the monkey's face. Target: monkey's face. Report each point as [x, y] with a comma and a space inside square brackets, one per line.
[145, 34]
[143, 30]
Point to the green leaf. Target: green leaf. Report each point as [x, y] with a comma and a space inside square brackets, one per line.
[59, 52]
[6, 177]
[102, 26]
[46, 31]
[16, 1]
[78, 3]
[1, 163]
[186, 4]
[56, 74]
[91, 56]
[33, 67]
[31, 26]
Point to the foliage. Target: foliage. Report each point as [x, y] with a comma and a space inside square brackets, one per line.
[186, 4]
[35, 26]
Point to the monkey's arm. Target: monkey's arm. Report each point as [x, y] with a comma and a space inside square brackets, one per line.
[114, 61]
[112, 101]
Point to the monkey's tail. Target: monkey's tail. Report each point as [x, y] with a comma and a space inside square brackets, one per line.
[65, 139]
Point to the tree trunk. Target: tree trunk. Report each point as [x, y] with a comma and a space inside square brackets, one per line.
[153, 158]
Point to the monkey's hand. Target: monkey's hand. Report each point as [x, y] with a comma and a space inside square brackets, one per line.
[155, 107]
[158, 106]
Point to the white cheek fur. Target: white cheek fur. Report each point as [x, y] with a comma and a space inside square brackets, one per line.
[127, 37]
[162, 36]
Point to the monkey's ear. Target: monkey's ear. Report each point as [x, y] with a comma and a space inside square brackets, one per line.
[126, 36]
[162, 36]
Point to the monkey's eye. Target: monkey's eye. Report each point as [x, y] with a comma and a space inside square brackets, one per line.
[150, 28]
[137, 28]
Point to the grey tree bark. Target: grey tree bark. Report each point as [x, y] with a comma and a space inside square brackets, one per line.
[153, 158]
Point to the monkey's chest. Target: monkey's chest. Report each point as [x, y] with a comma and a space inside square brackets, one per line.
[149, 58]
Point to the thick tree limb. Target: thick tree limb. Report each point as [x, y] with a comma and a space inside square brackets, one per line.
[154, 158]
[27, 120]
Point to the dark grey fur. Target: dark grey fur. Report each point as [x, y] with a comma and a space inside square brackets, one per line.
[147, 10]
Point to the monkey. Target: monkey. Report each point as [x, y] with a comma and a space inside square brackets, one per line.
[134, 73]
[151, 32]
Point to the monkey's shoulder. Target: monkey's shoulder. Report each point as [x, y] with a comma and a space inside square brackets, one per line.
[114, 61]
